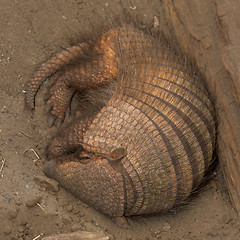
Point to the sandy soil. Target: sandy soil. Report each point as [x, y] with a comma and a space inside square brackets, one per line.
[32, 31]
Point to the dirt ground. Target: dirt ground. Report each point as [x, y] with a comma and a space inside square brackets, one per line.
[31, 31]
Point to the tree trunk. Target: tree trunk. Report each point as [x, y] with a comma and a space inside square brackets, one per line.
[209, 31]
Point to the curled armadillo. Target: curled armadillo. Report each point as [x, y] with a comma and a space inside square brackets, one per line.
[150, 145]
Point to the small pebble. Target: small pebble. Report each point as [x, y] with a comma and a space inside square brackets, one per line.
[20, 234]
[75, 210]
[18, 203]
[90, 227]
[69, 208]
[82, 223]
[96, 224]
[66, 219]
[61, 225]
[20, 229]
[166, 227]
[47, 183]
[28, 225]
[94, 221]
[75, 228]
[12, 213]
[27, 231]
[65, 204]
[23, 221]
[79, 213]
[7, 198]
[7, 230]
[33, 201]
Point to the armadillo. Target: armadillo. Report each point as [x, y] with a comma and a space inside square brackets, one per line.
[148, 147]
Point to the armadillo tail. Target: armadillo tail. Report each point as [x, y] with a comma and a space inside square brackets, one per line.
[53, 65]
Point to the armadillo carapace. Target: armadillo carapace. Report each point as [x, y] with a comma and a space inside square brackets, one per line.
[149, 147]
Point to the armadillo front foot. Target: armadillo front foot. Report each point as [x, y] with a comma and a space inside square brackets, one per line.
[58, 102]
[69, 139]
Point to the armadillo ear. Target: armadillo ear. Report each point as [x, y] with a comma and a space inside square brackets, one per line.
[117, 154]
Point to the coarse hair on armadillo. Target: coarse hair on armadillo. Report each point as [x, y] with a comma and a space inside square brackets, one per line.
[158, 108]
[161, 112]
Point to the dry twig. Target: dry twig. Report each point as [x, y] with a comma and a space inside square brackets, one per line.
[3, 162]
[41, 207]
[38, 236]
[36, 154]
[25, 134]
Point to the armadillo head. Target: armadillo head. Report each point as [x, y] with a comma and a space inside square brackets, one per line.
[94, 179]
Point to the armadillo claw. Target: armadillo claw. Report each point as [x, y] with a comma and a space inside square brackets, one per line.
[58, 103]
[58, 147]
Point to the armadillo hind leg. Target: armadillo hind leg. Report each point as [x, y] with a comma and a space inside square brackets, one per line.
[94, 182]
[79, 71]
[69, 139]
[60, 94]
